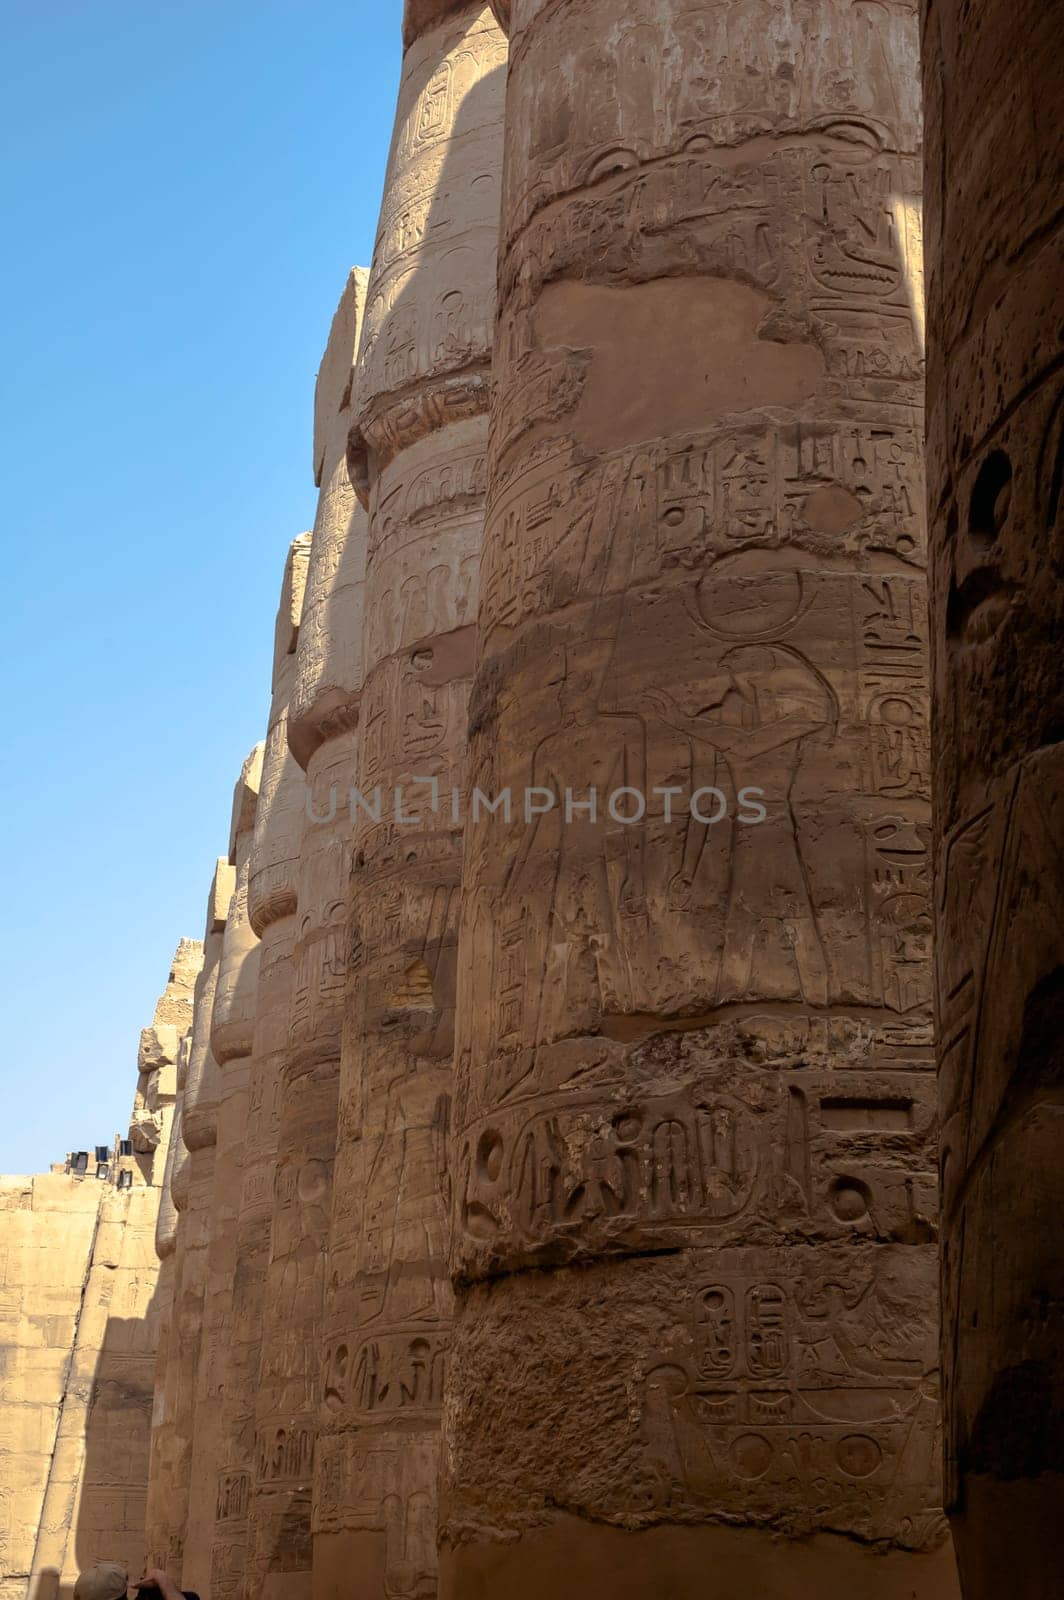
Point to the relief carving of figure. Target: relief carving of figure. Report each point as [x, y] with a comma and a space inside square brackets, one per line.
[758, 714]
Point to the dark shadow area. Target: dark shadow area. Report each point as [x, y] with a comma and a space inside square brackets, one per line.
[112, 1510]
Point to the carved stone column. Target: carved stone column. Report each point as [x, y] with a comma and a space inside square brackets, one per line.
[165, 1516]
[994, 98]
[156, 1097]
[321, 730]
[183, 1237]
[163, 1536]
[278, 1548]
[417, 455]
[225, 1053]
[694, 1173]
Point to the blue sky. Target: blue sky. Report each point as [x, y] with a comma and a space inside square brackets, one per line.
[184, 184]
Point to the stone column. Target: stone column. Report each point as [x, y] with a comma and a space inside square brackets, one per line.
[258, 1436]
[226, 1051]
[160, 1540]
[417, 456]
[694, 1158]
[322, 725]
[191, 1188]
[156, 1096]
[994, 94]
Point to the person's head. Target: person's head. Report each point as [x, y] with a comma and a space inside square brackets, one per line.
[107, 1580]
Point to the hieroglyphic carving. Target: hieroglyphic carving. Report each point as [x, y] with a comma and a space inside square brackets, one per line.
[328, 670]
[773, 1396]
[192, 1178]
[272, 904]
[233, 1488]
[426, 340]
[302, 860]
[386, 1494]
[221, 1056]
[702, 574]
[421, 396]
[766, 1126]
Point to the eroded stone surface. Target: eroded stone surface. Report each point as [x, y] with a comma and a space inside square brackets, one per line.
[676, 1171]
[418, 456]
[326, 677]
[81, 1312]
[993, 93]
[695, 1039]
[243, 1500]
[183, 1241]
[230, 1017]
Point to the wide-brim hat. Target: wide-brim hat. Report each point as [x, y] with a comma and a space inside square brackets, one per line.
[107, 1580]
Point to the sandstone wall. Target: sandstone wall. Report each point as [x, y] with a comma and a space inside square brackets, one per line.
[47, 1231]
[994, 91]
[79, 1330]
[96, 1498]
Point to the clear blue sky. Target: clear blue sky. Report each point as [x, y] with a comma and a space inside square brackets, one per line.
[185, 184]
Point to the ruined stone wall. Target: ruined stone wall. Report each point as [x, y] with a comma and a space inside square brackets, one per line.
[47, 1230]
[80, 1317]
[157, 1063]
[994, 92]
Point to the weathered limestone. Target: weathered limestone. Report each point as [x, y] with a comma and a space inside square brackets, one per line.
[322, 721]
[420, 15]
[417, 457]
[657, 1135]
[278, 1546]
[79, 1324]
[328, 673]
[693, 1169]
[161, 1535]
[183, 1241]
[322, 735]
[227, 1051]
[97, 1490]
[153, 1107]
[47, 1228]
[98, 1479]
[994, 95]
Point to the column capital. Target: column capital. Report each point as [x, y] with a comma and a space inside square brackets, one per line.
[420, 15]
